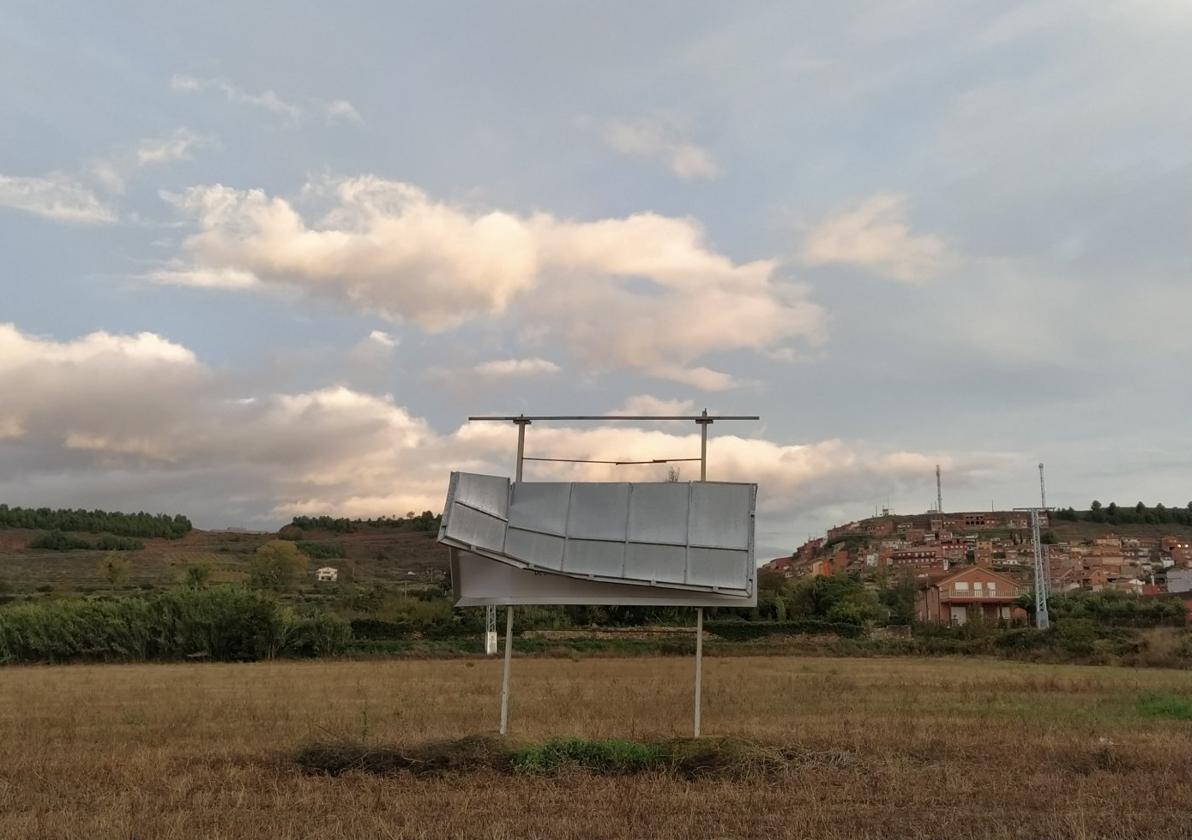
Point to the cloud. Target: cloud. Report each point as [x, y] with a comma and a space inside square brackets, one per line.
[333, 111]
[267, 99]
[54, 196]
[875, 235]
[382, 339]
[655, 138]
[102, 392]
[342, 110]
[647, 404]
[135, 419]
[662, 299]
[177, 146]
[516, 367]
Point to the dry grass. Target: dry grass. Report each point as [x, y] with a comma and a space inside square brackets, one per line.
[941, 748]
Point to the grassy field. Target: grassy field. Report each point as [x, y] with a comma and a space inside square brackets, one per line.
[891, 748]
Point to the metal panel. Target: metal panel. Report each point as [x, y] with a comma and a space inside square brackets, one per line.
[653, 563]
[539, 506]
[723, 569]
[489, 493]
[658, 513]
[539, 550]
[479, 581]
[473, 528]
[721, 515]
[693, 536]
[591, 557]
[598, 512]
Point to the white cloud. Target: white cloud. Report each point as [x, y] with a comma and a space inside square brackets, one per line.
[177, 146]
[333, 111]
[117, 413]
[54, 196]
[643, 292]
[116, 393]
[516, 367]
[876, 235]
[382, 339]
[647, 404]
[341, 109]
[218, 278]
[267, 99]
[656, 138]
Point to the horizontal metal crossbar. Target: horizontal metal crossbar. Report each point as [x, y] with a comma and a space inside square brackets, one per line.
[689, 417]
[614, 463]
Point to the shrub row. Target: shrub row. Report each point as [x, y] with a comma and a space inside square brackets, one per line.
[739, 631]
[96, 521]
[58, 541]
[225, 624]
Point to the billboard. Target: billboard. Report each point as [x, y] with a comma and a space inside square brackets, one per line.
[646, 543]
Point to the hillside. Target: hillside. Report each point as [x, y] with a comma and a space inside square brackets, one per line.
[374, 556]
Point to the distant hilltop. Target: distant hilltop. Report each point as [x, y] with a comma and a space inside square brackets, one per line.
[1136, 548]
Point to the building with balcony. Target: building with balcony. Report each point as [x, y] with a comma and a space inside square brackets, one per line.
[975, 593]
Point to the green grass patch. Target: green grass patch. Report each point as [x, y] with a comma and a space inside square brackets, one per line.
[611, 757]
[1168, 706]
[687, 758]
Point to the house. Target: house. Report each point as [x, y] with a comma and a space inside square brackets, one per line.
[1179, 580]
[784, 566]
[327, 574]
[975, 593]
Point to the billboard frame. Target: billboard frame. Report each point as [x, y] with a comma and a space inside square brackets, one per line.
[703, 420]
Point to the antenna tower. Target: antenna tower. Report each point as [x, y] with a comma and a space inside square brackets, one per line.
[1042, 569]
[939, 491]
[1042, 487]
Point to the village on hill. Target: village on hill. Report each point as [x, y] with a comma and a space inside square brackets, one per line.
[978, 565]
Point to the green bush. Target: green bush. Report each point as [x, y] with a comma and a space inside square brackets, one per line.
[317, 634]
[321, 550]
[228, 623]
[58, 541]
[738, 631]
[110, 542]
[1119, 609]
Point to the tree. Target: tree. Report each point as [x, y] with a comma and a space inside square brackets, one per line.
[196, 575]
[276, 565]
[115, 568]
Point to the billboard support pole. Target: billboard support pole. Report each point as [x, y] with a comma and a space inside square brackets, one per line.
[505, 674]
[521, 422]
[703, 422]
[699, 662]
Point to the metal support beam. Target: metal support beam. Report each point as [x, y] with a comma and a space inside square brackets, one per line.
[703, 422]
[505, 675]
[699, 665]
[521, 445]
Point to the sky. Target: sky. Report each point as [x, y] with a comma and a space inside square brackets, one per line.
[265, 259]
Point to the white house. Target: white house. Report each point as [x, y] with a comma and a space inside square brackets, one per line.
[327, 573]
